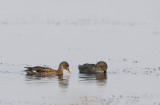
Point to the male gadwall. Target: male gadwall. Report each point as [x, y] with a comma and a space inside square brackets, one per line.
[38, 70]
[100, 67]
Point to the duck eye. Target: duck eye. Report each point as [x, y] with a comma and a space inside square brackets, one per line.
[67, 65]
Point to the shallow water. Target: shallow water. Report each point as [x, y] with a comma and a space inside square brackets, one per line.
[45, 33]
[137, 86]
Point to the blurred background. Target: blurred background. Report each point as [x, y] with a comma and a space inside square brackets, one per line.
[92, 30]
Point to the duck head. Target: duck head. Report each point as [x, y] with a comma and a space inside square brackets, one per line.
[102, 65]
[65, 65]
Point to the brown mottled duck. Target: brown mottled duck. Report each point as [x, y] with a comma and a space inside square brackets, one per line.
[38, 70]
[100, 67]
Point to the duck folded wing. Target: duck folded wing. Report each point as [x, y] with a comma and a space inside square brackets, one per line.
[86, 68]
[38, 69]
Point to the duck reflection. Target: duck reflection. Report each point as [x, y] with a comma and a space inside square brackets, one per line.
[101, 79]
[62, 80]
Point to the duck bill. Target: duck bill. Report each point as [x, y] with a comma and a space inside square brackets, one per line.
[68, 71]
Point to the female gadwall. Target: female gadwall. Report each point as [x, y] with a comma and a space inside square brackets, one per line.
[100, 67]
[38, 70]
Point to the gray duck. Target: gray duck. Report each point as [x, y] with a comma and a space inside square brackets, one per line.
[100, 67]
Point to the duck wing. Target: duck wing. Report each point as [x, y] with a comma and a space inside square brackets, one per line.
[86, 68]
[38, 69]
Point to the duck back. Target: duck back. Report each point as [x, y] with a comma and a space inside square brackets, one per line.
[38, 70]
[89, 68]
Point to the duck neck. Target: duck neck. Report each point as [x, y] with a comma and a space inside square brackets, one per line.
[97, 66]
[60, 69]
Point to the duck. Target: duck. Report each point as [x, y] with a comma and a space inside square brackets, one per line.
[39, 70]
[100, 67]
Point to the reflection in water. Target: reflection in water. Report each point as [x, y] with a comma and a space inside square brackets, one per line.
[101, 79]
[63, 80]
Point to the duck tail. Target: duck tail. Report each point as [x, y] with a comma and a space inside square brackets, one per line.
[28, 68]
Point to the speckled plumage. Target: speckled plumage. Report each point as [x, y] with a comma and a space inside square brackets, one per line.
[100, 67]
[38, 70]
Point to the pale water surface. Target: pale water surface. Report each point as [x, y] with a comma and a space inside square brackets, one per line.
[125, 34]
